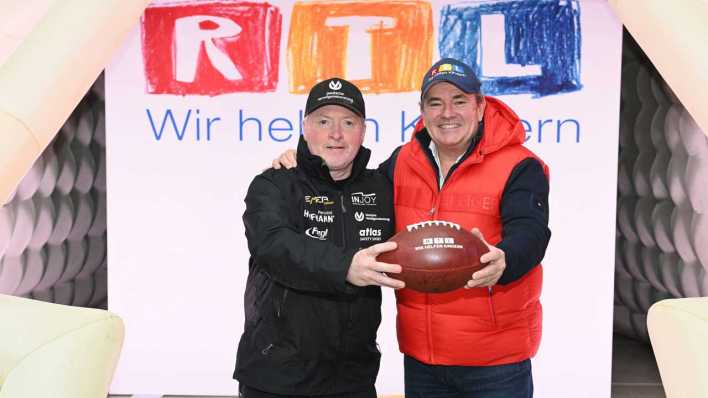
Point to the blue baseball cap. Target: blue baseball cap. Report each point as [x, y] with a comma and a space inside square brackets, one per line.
[452, 71]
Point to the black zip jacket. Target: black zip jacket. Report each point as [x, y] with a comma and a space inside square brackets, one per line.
[307, 330]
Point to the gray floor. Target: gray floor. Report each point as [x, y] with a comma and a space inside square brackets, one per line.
[634, 371]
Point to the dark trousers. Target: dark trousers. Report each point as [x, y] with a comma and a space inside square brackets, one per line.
[248, 392]
[440, 381]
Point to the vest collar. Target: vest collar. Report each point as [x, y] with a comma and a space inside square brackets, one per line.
[500, 127]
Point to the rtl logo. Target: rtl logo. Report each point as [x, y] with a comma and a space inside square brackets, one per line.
[211, 48]
[516, 46]
[218, 47]
[381, 46]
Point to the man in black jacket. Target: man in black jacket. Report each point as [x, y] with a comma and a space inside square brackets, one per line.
[461, 134]
[312, 300]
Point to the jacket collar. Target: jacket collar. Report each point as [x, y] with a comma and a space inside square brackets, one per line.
[315, 166]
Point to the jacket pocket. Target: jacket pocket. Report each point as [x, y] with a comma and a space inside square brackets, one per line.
[275, 326]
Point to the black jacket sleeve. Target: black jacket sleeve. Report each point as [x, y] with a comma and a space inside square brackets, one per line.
[387, 167]
[286, 254]
[524, 216]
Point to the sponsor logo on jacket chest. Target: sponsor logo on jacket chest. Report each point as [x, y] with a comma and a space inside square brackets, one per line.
[319, 216]
[363, 199]
[361, 216]
[370, 234]
[317, 233]
[318, 200]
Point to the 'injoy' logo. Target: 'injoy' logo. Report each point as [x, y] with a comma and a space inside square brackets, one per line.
[381, 46]
[211, 48]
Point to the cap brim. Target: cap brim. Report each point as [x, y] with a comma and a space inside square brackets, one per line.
[342, 104]
[445, 80]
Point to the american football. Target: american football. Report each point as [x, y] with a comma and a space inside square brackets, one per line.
[435, 256]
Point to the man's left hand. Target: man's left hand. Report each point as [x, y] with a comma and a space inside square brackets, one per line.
[496, 264]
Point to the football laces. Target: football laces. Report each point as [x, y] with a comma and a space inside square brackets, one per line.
[424, 224]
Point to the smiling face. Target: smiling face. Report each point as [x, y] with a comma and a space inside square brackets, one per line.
[451, 116]
[335, 134]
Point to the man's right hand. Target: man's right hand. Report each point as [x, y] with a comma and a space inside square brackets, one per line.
[366, 271]
[287, 159]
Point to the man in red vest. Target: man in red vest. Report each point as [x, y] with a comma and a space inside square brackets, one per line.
[466, 163]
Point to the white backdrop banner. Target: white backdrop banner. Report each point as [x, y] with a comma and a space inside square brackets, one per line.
[205, 93]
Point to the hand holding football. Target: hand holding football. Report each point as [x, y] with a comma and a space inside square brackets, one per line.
[436, 256]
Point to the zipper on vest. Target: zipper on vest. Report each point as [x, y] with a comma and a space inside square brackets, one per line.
[491, 306]
[429, 329]
[436, 206]
[429, 326]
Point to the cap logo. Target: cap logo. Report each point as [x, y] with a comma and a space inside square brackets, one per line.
[335, 85]
[454, 72]
[447, 69]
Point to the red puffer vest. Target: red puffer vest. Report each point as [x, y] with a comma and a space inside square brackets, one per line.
[474, 327]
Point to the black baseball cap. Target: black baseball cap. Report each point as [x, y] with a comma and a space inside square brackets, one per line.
[452, 71]
[335, 91]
